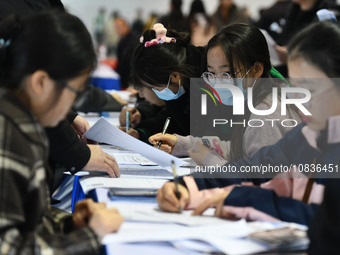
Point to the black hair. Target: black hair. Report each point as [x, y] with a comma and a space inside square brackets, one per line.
[154, 64]
[54, 41]
[243, 46]
[319, 44]
[177, 4]
[197, 6]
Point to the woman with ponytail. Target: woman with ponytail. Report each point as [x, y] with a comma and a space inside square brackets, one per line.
[164, 61]
[239, 54]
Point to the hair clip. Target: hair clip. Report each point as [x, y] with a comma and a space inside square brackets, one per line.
[160, 36]
[4, 43]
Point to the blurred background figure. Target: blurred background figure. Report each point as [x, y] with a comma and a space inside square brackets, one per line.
[228, 13]
[110, 34]
[152, 20]
[175, 19]
[301, 13]
[99, 25]
[272, 19]
[138, 23]
[127, 40]
[201, 26]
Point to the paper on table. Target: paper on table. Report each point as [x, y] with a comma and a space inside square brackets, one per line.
[150, 248]
[151, 213]
[102, 131]
[184, 218]
[131, 173]
[88, 184]
[145, 232]
[229, 236]
[132, 159]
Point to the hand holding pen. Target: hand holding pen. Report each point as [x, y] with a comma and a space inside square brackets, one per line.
[170, 200]
[167, 122]
[134, 116]
[168, 141]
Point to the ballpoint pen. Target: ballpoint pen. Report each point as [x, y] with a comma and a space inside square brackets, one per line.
[127, 121]
[178, 195]
[164, 131]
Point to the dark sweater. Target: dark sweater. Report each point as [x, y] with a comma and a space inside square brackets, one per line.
[298, 19]
[281, 153]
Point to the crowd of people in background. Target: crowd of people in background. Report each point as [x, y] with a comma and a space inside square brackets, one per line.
[281, 21]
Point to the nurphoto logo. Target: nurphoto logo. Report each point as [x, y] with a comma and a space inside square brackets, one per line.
[228, 104]
[239, 99]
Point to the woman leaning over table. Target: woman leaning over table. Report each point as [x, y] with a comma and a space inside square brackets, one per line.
[45, 60]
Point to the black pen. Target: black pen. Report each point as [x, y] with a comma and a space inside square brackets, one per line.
[166, 124]
[178, 195]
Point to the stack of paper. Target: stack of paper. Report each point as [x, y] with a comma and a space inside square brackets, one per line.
[88, 184]
[104, 132]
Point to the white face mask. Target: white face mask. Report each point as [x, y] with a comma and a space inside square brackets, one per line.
[166, 94]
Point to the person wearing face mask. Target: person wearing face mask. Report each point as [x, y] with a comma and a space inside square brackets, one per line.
[164, 62]
[238, 55]
[149, 109]
[313, 62]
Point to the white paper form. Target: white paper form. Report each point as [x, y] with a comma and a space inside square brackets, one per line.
[102, 131]
[146, 232]
[149, 212]
[228, 236]
[132, 159]
[143, 169]
[149, 248]
[91, 183]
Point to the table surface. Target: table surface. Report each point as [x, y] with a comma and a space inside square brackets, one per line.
[157, 237]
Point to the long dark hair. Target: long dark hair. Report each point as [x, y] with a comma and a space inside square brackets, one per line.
[153, 65]
[243, 45]
[56, 42]
[319, 44]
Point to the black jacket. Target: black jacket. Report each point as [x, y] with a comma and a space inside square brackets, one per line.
[298, 19]
[324, 230]
[27, 7]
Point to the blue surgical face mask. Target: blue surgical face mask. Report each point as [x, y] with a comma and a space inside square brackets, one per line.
[225, 94]
[166, 94]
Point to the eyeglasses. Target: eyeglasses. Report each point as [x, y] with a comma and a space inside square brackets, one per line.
[81, 96]
[211, 78]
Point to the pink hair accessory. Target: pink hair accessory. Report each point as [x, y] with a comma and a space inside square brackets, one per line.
[160, 36]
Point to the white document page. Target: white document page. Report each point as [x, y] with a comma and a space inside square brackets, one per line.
[132, 159]
[90, 183]
[146, 232]
[226, 236]
[150, 212]
[102, 131]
